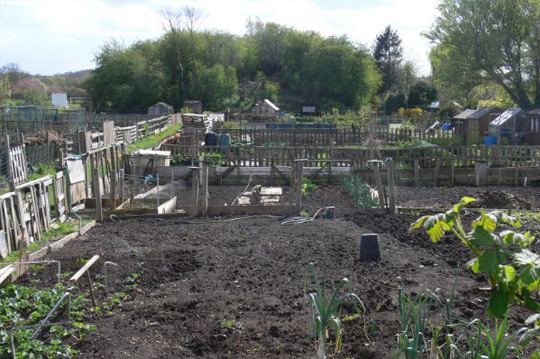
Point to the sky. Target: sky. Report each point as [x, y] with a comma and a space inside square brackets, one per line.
[55, 36]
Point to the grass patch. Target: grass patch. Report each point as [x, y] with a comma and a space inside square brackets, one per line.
[231, 324]
[41, 171]
[154, 140]
[63, 229]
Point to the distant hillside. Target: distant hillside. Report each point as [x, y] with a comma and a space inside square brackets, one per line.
[77, 74]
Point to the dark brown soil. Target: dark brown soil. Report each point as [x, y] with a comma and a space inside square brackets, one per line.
[198, 273]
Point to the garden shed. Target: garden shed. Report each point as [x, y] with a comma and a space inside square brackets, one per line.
[474, 124]
[265, 109]
[509, 127]
[532, 127]
[160, 109]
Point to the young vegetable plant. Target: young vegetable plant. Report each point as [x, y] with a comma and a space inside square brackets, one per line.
[325, 312]
[513, 271]
[413, 313]
[481, 342]
[308, 187]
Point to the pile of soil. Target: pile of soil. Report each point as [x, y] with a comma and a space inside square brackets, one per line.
[498, 199]
[492, 197]
[222, 288]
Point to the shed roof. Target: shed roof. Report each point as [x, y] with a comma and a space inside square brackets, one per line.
[535, 111]
[162, 104]
[464, 114]
[478, 114]
[505, 116]
[269, 103]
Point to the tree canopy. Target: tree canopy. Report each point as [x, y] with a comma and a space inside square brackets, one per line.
[388, 55]
[225, 70]
[488, 41]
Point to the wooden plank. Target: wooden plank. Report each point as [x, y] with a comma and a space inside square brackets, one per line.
[108, 133]
[6, 225]
[4, 244]
[83, 270]
[167, 207]
[6, 272]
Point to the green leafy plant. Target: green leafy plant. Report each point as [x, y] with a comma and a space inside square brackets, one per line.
[325, 312]
[21, 306]
[482, 342]
[513, 271]
[231, 324]
[308, 187]
[359, 191]
[413, 313]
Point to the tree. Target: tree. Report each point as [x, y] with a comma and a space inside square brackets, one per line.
[490, 40]
[339, 74]
[422, 94]
[5, 89]
[127, 79]
[388, 55]
[30, 91]
[270, 40]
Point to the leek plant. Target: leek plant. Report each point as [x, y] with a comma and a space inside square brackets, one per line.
[325, 312]
[483, 343]
[361, 193]
[413, 313]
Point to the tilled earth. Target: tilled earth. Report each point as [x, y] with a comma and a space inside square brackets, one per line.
[224, 288]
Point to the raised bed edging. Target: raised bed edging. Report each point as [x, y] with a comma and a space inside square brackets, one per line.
[40, 253]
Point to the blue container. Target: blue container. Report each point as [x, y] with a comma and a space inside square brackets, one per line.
[224, 139]
[490, 140]
[210, 139]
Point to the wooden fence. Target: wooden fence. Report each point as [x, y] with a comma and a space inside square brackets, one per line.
[25, 211]
[87, 141]
[461, 156]
[130, 134]
[337, 136]
[29, 208]
[30, 119]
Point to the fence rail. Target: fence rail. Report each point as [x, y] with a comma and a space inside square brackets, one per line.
[461, 156]
[338, 136]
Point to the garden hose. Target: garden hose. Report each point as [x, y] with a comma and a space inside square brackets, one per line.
[241, 193]
[300, 220]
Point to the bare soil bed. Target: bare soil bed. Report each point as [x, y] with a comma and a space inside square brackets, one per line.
[253, 272]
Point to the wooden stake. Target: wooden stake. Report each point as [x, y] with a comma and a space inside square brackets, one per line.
[113, 189]
[195, 186]
[436, 172]
[97, 195]
[205, 186]
[299, 176]
[452, 170]
[121, 179]
[378, 181]
[416, 172]
[390, 174]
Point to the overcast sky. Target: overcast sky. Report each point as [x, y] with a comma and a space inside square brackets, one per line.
[55, 36]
